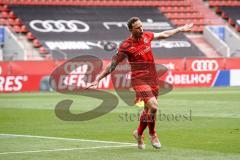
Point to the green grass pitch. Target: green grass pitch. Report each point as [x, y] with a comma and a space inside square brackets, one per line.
[199, 123]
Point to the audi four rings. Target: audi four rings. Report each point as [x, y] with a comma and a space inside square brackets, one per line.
[59, 26]
[204, 65]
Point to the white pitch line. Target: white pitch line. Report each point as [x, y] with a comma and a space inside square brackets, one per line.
[66, 149]
[60, 138]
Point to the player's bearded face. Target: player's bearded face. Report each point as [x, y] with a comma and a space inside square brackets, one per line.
[137, 29]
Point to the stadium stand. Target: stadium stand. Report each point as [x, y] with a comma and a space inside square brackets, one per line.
[231, 14]
[229, 10]
[96, 26]
[101, 2]
[177, 13]
[217, 3]
[185, 14]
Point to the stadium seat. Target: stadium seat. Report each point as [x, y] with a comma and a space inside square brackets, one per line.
[218, 10]
[18, 22]
[24, 29]
[104, 2]
[3, 21]
[17, 29]
[238, 28]
[231, 21]
[11, 22]
[30, 36]
[19, 2]
[36, 43]
[4, 14]
[217, 3]
[42, 50]
[182, 12]
[1, 8]
[4, 8]
[12, 15]
[224, 16]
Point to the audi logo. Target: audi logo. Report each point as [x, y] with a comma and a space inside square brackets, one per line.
[59, 26]
[205, 65]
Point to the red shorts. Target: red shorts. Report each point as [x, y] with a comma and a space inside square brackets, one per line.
[145, 92]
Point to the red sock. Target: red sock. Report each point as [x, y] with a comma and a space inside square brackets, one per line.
[143, 122]
[151, 123]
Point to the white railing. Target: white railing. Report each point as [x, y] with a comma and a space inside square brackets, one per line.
[223, 39]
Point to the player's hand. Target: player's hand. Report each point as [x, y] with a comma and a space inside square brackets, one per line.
[186, 27]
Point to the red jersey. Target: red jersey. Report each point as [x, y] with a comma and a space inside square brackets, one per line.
[140, 57]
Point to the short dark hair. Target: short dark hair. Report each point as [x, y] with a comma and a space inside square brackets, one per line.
[131, 21]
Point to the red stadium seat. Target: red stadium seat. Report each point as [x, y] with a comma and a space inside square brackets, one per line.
[3, 22]
[217, 3]
[218, 10]
[24, 29]
[226, 3]
[175, 15]
[224, 16]
[1, 7]
[4, 8]
[231, 22]
[182, 22]
[17, 29]
[11, 22]
[36, 43]
[30, 36]
[19, 1]
[18, 22]
[4, 15]
[42, 50]
[165, 3]
[201, 21]
[12, 15]
[238, 28]
[163, 9]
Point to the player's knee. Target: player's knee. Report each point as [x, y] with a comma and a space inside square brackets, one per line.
[152, 105]
[154, 109]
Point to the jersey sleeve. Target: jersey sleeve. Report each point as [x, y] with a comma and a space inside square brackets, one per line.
[119, 57]
[121, 52]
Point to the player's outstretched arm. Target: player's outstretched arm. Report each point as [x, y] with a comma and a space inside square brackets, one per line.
[168, 33]
[110, 67]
